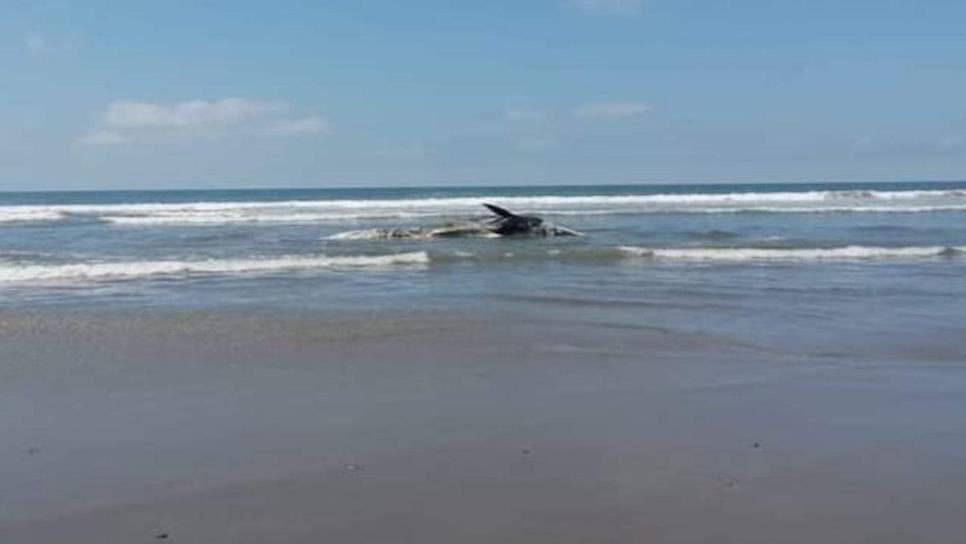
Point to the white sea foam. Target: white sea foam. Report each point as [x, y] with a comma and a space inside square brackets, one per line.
[128, 270]
[828, 209]
[417, 233]
[311, 211]
[235, 217]
[847, 253]
[28, 215]
[247, 216]
[362, 234]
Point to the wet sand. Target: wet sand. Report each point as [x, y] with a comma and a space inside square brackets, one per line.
[486, 426]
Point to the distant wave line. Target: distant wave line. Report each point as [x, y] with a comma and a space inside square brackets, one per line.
[308, 211]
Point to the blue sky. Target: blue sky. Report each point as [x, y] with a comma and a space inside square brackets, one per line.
[173, 94]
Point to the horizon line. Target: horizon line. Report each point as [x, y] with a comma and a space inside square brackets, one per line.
[478, 186]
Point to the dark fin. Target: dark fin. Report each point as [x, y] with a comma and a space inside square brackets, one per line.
[499, 211]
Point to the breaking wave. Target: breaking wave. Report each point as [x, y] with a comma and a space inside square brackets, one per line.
[320, 211]
[12, 273]
[28, 215]
[847, 253]
[17, 272]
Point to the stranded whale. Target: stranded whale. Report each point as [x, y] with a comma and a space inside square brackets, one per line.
[504, 224]
[508, 223]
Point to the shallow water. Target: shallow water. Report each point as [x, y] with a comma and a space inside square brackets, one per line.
[831, 267]
[720, 363]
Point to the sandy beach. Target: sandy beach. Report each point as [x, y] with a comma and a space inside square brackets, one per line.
[502, 272]
[216, 426]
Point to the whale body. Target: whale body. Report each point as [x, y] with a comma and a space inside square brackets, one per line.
[508, 223]
[505, 224]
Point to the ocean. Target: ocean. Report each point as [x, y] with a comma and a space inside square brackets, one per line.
[779, 362]
[760, 258]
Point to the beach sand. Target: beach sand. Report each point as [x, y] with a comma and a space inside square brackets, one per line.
[484, 426]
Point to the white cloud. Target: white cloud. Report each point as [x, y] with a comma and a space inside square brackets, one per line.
[613, 109]
[524, 114]
[296, 127]
[102, 137]
[613, 7]
[136, 121]
[46, 43]
[196, 113]
[36, 43]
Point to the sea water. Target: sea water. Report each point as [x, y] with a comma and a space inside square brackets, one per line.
[860, 261]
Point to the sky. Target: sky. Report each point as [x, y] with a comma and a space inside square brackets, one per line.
[195, 94]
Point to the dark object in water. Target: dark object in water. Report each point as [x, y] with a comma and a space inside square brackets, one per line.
[508, 223]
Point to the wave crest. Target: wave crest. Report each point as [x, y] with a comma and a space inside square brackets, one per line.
[29, 215]
[847, 253]
[317, 211]
[172, 268]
